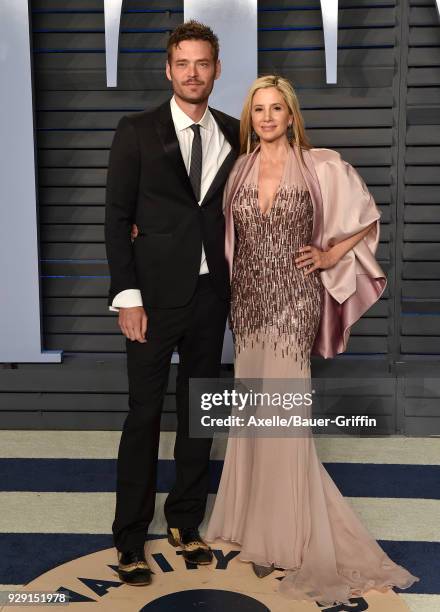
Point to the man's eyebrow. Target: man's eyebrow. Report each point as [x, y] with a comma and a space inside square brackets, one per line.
[200, 59]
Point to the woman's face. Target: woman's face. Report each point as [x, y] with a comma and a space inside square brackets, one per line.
[270, 114]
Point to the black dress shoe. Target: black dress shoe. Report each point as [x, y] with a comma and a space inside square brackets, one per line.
[195, 550]
[133, 568]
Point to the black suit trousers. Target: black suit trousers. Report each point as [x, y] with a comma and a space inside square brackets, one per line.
[197, 329]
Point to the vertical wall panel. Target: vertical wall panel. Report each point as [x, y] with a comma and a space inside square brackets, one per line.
[420, 273]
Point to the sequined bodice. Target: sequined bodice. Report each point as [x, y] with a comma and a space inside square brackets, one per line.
[272, 300]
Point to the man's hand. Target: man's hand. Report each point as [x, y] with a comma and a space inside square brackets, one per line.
[133, 323]
[134, 232]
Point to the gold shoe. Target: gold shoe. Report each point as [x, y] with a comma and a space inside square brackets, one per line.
[194, 549]
[133, 568]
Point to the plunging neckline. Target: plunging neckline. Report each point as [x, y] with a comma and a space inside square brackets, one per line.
[280, 184]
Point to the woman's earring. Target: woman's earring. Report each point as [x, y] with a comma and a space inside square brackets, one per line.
[290, 132]
[254, 136]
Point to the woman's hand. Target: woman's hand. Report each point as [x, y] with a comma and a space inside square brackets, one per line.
[134, 232]
[316, 259]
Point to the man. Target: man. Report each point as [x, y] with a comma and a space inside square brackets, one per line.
[166, 174]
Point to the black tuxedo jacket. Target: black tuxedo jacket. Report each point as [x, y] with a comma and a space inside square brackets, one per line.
[148, 184]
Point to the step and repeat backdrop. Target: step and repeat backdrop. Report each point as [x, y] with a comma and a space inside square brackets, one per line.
[372, 92]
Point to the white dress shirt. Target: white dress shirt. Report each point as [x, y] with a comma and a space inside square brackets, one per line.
[215, 149]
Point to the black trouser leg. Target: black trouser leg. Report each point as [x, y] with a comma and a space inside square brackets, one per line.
[200, 352]
[198, 330]
[148, 369]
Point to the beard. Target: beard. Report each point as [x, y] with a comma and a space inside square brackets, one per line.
[198, 98]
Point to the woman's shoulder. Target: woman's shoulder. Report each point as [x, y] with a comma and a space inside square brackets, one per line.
[329, 160]
[323, 154]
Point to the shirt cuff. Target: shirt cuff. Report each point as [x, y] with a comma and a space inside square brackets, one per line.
[129, 298]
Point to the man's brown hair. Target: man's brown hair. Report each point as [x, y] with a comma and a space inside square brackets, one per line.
[192, 30]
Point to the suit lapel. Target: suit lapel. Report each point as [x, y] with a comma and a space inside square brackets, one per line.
[170, 143]
[226, 128]
[224, 170]
[221, 176]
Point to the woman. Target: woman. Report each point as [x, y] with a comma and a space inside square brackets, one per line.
[284, 198]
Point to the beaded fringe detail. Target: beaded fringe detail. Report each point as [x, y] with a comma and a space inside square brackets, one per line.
[273, 303]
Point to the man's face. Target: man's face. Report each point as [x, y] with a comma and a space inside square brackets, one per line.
[192, 70]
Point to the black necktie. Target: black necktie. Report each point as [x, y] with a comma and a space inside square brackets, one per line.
[195, 169]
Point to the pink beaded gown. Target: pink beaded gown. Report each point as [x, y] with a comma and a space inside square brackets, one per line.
[275, 498]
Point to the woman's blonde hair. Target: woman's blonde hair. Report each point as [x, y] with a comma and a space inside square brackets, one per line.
[299, 137]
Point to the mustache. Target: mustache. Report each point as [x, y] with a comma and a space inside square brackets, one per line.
[193, 83]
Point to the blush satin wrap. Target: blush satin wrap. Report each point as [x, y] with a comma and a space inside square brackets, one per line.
[342, 206]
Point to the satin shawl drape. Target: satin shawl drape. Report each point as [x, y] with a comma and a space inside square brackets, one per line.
[342, 206]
